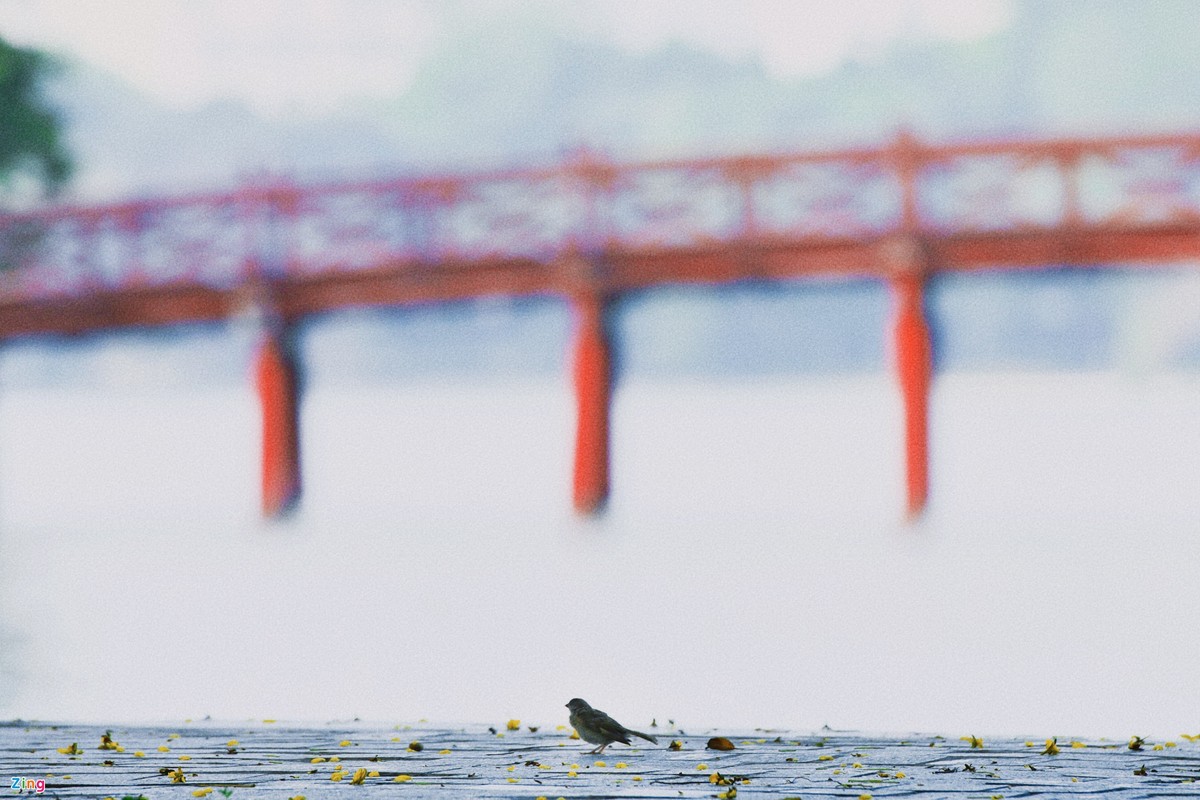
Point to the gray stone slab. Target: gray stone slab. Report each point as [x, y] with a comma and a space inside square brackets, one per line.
[259, 759]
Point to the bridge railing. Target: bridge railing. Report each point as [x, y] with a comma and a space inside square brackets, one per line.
[587, 203]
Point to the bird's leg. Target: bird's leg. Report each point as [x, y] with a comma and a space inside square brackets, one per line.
[598, 750]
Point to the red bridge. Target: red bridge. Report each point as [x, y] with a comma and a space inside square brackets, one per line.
[587, 230]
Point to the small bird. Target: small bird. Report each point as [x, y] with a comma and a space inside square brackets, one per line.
[599, 728]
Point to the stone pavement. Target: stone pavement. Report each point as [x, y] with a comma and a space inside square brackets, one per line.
[351, 760]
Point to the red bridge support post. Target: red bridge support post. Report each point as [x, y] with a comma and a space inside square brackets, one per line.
[914, 369]
[593, 390]
[278, 392]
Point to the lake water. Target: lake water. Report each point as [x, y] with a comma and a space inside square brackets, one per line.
[752, 569]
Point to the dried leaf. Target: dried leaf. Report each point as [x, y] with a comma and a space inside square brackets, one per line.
[719, 743]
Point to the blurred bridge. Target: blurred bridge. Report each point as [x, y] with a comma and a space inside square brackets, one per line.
[589, 229]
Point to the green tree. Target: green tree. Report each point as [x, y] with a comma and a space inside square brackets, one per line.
[30, 129]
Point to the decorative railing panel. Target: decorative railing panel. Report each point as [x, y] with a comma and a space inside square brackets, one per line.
[588, 205]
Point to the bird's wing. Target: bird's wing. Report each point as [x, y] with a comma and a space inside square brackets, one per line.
[609, 726]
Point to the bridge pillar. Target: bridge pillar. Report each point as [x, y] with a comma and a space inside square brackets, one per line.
[913, 349]
[593, 390]
[278, 392]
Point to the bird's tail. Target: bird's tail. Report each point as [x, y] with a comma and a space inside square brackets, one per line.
[645, 736]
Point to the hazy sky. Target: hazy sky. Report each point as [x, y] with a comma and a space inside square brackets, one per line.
[309, 55]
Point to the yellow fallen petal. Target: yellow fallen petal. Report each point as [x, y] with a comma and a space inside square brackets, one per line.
[337, 776]
[572, 774]
[335, 758]
[232, 743]
[1078, 745]
[316, 760]
[445, 752]
[162, 748]
[402, 779]
[185, 758]
[345, 743]
[702, 766]
[601, 764]
[637, 777]
[621, 765]
[825, 758]
[138, 754]
[360, 775]
[207, 790]
[513, 725]
[172, 736]
[373, 773]
[510, 769]
[268, 722]
[513, 780]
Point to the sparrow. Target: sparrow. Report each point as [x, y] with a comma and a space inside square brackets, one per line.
[599, 728]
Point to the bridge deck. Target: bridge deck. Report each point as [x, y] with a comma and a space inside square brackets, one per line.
[274, 760]
[592, 226]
